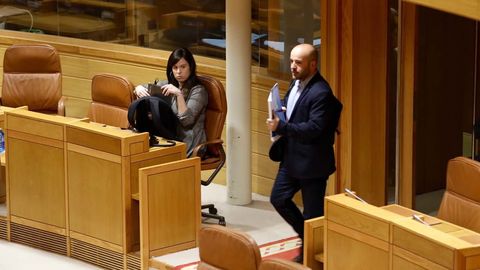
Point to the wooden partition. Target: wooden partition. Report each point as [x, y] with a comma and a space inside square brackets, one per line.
[3, 181]
[36, 197]
[102, 164]
[357, 235]
[73, 188]
[169, 200]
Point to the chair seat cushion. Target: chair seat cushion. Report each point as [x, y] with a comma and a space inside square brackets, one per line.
[210, 163]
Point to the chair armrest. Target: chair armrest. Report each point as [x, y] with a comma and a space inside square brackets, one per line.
[61, 106]
[198, 147]
[313, 245]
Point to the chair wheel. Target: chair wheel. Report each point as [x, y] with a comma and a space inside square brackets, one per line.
[222, 222]
[213, 211]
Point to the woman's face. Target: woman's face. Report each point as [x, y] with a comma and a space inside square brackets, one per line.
[181, 71]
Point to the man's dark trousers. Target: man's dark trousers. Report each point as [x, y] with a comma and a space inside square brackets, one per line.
[313, 193]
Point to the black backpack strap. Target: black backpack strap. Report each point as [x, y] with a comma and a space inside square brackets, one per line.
[164, 121]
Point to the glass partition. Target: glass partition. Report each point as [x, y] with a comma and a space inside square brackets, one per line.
[277, 25]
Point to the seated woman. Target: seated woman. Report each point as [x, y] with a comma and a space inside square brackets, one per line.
[189, 97]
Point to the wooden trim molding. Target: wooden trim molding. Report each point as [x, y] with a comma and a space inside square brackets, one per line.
[465, 8]
[406, 91]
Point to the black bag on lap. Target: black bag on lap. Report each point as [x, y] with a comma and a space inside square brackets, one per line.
[153, 115]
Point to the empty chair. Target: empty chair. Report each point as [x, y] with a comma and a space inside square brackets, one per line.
[32, 77]
[111, 97]
[224, 248]
[461, 201]
[280, 264]
[227, 249]
[213, 158]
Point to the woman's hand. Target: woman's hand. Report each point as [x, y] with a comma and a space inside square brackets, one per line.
[140, 91]
[170, 89]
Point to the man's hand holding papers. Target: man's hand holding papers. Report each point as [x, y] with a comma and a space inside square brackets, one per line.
[275, 110]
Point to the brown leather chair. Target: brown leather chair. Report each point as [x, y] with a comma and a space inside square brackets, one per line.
[461, 201]
[111, 97]
[224, 248]
[281, 264]
[32, 77]
[213, 158]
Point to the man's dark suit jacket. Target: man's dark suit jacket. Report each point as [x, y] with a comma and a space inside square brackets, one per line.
[310, 131]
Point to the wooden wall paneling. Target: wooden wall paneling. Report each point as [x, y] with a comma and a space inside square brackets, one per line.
[2, 54]
[408, 25]
[260, 143]
[345, 84]
[263, 166]
[465, 8]
[77, 107]
[258, 119]
[87, 67]
[329, 68]
[76, 87]
[445, 57]
[369, 99]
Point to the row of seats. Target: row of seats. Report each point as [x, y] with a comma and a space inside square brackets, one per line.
[32, 76]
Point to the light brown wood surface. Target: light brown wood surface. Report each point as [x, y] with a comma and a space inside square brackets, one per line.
[69, 189]
[100, 175]
[465, 8]
[35, 167]
[389, 238]
[169, 208]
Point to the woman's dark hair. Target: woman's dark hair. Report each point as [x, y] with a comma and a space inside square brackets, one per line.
[175, 56]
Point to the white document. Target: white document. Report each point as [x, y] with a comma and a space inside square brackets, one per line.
[275, 107]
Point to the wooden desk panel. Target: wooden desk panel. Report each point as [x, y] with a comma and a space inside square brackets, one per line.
[441, 245]
[35, 169]
[70, 186]
[95, 197]
[350, 233]
[3, 178]
[37, 182]
[169, 200]
[3, 183]
[103, 164]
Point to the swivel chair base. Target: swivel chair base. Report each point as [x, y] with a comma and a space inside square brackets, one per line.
[212, 213]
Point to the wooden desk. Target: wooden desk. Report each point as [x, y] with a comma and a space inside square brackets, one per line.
[102, 165]
[73, 189]
[3, 184]
[3, 178]
[36, 178]
[362, 236]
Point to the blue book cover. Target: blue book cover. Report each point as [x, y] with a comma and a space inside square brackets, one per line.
[275, 107]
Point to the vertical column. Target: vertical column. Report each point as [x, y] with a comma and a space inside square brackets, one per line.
[238, 58]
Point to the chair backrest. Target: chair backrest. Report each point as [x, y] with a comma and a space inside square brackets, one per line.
[281, 264]
[111, 97]
[461, 200]
[225, 248]
[32, 76]
[216, 111]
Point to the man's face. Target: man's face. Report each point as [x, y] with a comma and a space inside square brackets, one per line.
[300, 64]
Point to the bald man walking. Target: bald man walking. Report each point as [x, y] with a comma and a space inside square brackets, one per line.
[312, 114]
